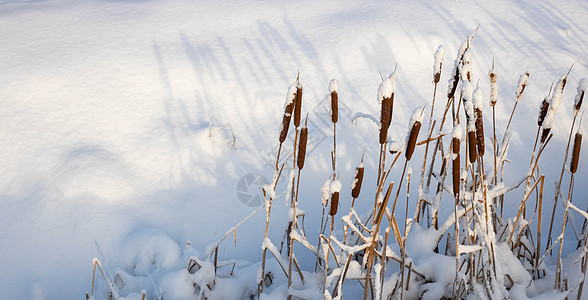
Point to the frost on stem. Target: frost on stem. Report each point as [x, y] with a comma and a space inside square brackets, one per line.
[439, 55]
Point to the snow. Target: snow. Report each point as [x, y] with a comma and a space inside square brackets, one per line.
[554, 102]
[333, 85]
[387, 87]
[438, 57]
[117, 119]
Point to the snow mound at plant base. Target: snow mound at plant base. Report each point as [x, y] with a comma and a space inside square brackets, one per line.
[157, 266]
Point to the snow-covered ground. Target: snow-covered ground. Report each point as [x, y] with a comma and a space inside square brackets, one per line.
[124, 123]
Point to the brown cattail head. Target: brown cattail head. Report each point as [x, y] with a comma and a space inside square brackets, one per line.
[286, 121]
[493, 86]
[302, 147]
[356, 188]
[298, 103]
[472, 144]
[576, 153]
[334, 107]
[333, 87]
[412, 139]
[480, 132]
[385, 118]
[543, 111]
[334, 203]
[453, 84]
[455, 166]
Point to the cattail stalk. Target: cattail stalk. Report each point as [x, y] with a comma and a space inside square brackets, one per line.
[554, 103]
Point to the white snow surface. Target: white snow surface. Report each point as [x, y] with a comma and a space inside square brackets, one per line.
[118, 120]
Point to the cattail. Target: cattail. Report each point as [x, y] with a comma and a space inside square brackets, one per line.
[302, 147]
[582, 87]
[335, 189]
[298, 105]
[576, 153]
[472, 144]
[414, 127]
[454, 81]
[493, 86]
[479, 122]
[439, 55]
[333, 87]
[356, 186]
[386, 98]
[523, 81]
[554, 102]
[334, 203]
[543, 111]
[288, 108]
[456, 169]
[466, 66]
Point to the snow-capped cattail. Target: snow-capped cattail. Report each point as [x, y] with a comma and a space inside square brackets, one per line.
[356, 186]
[288, 108]
[543, 110]
[298, 103]
[467, 91]
[333, 87]
[457, 135]
[523, 81]
[493, 86]
[414, 127]
[576, 153]
[335, 189]
[454, 81]
[554, 102]
[302, 147]
[466, 67]
[478, 103]
[386, 99]
[439, 55]
[582, 87]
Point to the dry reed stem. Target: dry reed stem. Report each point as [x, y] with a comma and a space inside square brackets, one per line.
[558, 185]
[558, 269]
